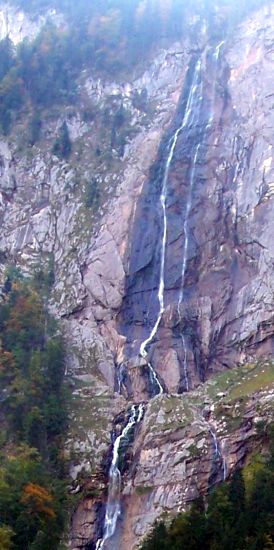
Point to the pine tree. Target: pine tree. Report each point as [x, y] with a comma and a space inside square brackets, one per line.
[62, 147]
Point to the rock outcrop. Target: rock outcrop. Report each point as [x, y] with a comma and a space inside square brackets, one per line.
[19, 25]
[189, 443]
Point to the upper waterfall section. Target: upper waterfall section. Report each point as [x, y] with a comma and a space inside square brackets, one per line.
[162, 241]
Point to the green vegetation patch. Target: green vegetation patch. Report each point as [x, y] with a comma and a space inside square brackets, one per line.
[259, 378]
[33, 419]
[142, 490]
[242, 381]
[169, 413]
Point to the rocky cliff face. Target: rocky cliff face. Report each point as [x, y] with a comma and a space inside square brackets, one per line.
[224, 314]
[200, 214]
[188, 444]
[16, 24]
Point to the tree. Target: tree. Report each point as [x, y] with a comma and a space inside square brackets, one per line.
[92, 194]
[31, 373]
[6, 534]
[238, 501]
[188, 530]
[157, 540]
[7, 57]
[38, 501]
[34, 128]
[62, 146]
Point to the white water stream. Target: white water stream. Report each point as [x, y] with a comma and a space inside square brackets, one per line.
[187, 122]
[218, 453]
[191, 116]
[216, 57]
[114, 484]
[196, 116]
[185, 257]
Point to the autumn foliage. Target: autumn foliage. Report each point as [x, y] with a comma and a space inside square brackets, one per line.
[37, 500]
[33, 425]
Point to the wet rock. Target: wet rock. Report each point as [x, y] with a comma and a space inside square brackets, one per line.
[226, 314]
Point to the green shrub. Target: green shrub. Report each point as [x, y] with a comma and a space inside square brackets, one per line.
[62, 146]
[92, 194]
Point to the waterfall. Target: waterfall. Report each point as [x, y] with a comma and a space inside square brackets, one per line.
[224, 462]
[185, 257]
[154, 380]
[120, 376]
[191, 119]
[218, 454]
[217, 52]
[186, 223]
[215, 441]
[216, 56]
[114, 485]
[187, 121]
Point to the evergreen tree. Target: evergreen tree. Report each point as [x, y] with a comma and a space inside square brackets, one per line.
[7, 56]
[62, 147]
[237, 499]
[234, 520]
[32, 493]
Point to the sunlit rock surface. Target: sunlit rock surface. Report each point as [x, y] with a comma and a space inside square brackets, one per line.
[17, 25]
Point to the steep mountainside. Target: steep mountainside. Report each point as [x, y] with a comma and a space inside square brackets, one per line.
[158, 228]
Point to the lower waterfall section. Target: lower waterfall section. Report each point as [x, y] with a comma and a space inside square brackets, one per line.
[157, 388]
[218, 453]
[114, 484]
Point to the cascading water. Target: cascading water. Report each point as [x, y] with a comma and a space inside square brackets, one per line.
[156, 385]
[215, 441]
[195, 118]
[187, 121]
[114, 485]
[185, 258]
[216, 57]
[218, 453]
[191, 120]
[186, 224]
[120, 378]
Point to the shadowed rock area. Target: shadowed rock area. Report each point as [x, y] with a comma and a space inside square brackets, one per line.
[226, 314]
